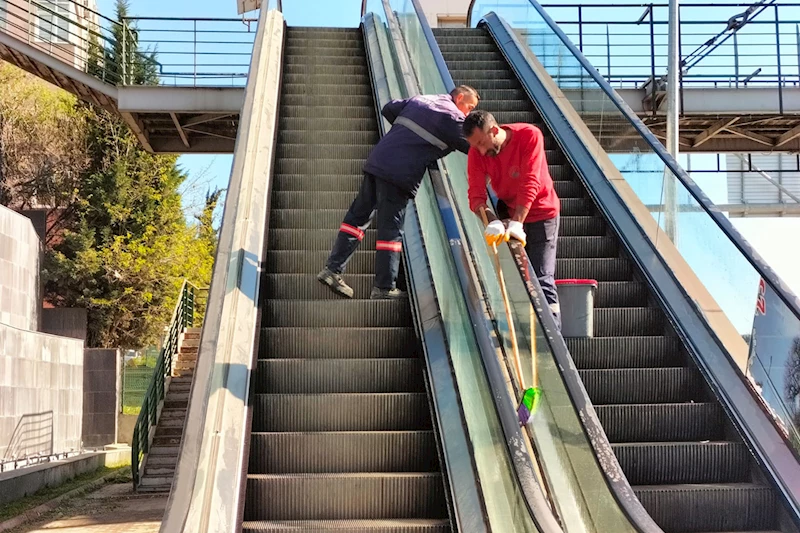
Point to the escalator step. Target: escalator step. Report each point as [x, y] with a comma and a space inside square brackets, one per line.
[319, 182]
[302, 43]
[320, 166]
[354, 526]
[306, 286]
[337, 343]
[475, 64]
[454, 58]
[625, 321]
[507, 117]
[325, 89]
[318, 199]
[308, 376]
[344, 496]
[323, 151]
[600, 269]
[365, 451]
[582, 226]
[662, 422]
[575, 207]
[642, 385]
[337, 313]
[660, 463]
[320, 68]
[484, 84]
[306, 218]
[295, 52]
[328, 79]
[341, 412]
[300, 262]
[626, 352]
[725, 507]
[586, 247]
[326, 111]
[333, 60]
[312, 138]
[565, 188]
[620, 293]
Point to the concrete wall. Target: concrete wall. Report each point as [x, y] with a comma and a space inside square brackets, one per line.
[41, 393]
[19, 271]
[65, 322]
[101, 386]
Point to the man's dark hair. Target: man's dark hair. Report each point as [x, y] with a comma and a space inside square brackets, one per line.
[465, 89]
[478, 119]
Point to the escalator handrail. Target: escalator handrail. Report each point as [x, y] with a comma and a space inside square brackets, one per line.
[751, 255]
[758, 431]
[601, 447]
[522, 464]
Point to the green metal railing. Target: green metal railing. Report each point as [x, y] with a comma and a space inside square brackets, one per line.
[182, 317]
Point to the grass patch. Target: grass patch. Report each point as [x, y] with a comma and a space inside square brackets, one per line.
[46, 494]
[131, 410]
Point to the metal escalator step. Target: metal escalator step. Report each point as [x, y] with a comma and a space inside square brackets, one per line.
[575, 207]
[337, 313]
[306, 286]
[309, 218]
[585, 226]
[661, 463]
[600, 269]
[462, 42]
[328, 79]
[432, 525]
[320, 199]
[345, 100]
[323, 151]
[320, 166]
[724, 507]
[337, 343]
[301, 262]
[506, 117]
[312, 138]
[323, 89]
[321, 68]
[327, 111]
[311, 376]
[642, 385]
[620, 293]
[350, 451]
[333, 60]
[317, 32]
[315, 43]
[477, 64]
[565, 188]
[454, 58]
[341, 412]
[351, 49]
[344, 496]
[586, 247]
[626, 321]
[318, 182]
[493, 95]
[626, 352]
[489, 83]
[662, 422]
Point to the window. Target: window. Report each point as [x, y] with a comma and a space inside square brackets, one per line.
[53, 21]
[451, 21]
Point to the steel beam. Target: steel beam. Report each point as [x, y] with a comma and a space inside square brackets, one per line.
[160, 99]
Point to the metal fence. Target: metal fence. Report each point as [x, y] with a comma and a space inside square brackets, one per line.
[136, 375]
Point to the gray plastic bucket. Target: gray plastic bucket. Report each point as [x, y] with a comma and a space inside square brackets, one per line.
[576, 299]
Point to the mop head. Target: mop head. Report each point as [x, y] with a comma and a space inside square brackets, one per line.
[528, 405]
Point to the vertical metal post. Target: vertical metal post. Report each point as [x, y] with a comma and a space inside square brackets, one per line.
[797, 41]
[653, 88]
[124, 51]
[580, 28]
[195, 52]
[778, 51]
[736, 59]
[673, 111]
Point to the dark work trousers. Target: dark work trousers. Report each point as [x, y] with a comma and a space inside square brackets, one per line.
[387, 203]
[541, 244]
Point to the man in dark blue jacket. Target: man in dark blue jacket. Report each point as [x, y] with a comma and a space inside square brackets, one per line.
[424, 128]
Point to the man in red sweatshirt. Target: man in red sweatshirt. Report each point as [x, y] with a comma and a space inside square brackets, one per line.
[511, 158]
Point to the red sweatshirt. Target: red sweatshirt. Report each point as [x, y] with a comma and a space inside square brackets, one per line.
[518, 174]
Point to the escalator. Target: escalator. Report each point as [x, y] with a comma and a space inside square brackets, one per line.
[672, 438]
[342, 436]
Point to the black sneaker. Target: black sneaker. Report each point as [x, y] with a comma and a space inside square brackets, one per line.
[387, 294]
[335, 282]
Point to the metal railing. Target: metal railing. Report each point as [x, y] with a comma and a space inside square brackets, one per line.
[627, 43]
[182, 317]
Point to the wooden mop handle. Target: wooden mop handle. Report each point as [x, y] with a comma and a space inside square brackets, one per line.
[507, 306]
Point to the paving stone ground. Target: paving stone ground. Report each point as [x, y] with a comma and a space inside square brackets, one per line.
[114, 508]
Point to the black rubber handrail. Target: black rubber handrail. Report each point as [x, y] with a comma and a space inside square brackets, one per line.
[753, 257]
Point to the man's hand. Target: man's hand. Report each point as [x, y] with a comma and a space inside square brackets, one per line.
[495, 233]
[515, 231]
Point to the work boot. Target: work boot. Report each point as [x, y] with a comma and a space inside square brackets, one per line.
[386, 294]
[335, 282]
